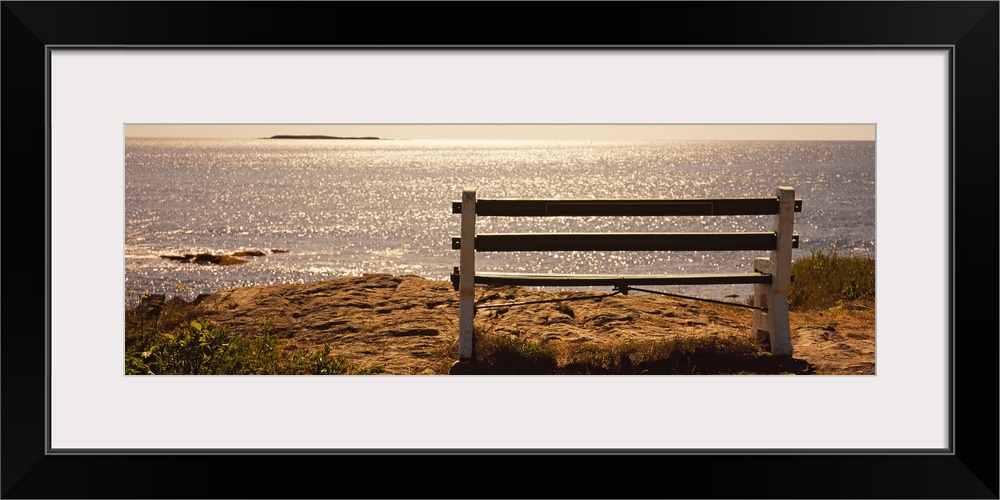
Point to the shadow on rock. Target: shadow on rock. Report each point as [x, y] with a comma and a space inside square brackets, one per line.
[699, 365]
[725, 365]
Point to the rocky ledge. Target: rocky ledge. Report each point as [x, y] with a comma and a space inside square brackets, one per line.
[408, 324]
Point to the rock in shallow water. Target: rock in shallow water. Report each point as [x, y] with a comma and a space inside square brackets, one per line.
[208, 258]
[248, 253]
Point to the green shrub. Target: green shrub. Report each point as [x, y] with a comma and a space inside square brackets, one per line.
[825, 280]
[197, 348]
[321, 362]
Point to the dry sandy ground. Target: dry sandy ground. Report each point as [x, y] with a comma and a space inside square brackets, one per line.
[408, 323]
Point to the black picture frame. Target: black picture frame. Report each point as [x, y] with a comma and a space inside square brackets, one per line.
[970, 29]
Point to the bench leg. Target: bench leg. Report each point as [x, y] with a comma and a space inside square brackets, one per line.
[466, 280]
[781, 334]
[773, 324]
[762, 323]
[466, 313]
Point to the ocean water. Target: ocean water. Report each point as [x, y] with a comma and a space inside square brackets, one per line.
[344, 208]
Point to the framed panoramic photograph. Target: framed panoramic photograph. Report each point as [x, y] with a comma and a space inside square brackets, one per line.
[284, 253]
[261, 248]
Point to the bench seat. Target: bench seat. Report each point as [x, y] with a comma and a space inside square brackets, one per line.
[548, 279]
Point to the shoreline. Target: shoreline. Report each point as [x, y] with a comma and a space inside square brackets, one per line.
[191, 280]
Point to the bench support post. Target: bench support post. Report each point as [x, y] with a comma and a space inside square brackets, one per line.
[773, 323]
[466, 284]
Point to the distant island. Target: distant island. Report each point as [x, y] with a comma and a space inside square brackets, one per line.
[324, 137]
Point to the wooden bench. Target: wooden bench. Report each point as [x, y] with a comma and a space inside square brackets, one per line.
[771, 275]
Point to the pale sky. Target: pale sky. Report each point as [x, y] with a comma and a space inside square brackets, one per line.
[853, 132]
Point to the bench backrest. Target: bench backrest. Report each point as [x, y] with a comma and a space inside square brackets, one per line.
[643, 241]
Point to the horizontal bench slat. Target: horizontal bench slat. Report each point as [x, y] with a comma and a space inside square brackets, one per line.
[546, 242]
[527, 279]
[694, 206]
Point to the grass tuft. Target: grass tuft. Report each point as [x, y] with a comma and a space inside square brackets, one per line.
[826, 280]
[717, 355]
[505, 354]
